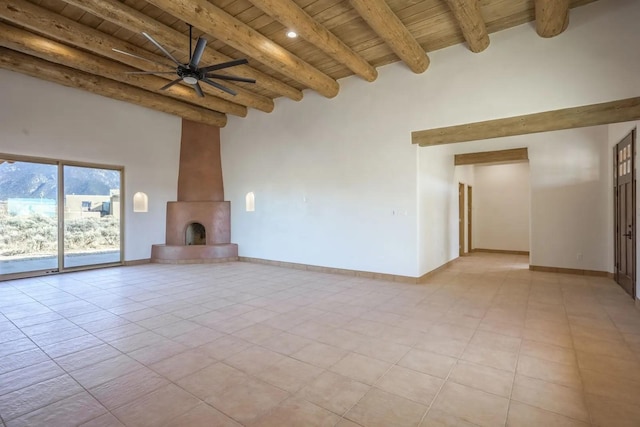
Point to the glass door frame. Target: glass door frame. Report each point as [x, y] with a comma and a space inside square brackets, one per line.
[61, 207]
[60, 210]
[42, 161]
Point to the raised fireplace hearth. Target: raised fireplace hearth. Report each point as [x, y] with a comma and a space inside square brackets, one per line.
[199, 223]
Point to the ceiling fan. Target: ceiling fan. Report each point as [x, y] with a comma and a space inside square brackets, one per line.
[190, 73]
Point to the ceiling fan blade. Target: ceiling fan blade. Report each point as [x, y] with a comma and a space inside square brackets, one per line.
[233, 63]
[159, 46]
[168, 85]
[140, 57]
[219, 86]
[198, 90]
[197, 52]
[232, 78]
[150, 72]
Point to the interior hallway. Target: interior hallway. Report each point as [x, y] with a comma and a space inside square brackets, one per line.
[486, 342]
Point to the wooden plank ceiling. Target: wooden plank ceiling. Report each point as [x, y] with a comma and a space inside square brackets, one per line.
[72, 42]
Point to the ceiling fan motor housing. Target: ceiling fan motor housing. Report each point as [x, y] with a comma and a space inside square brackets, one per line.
[189, 75]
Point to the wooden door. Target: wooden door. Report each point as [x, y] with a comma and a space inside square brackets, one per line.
[625, 212]
[469, 216]
[461, 218]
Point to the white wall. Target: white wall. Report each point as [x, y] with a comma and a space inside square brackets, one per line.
[331, 188]
[43, 119]
[569, 200]
[438, 207]
[501, 207]
[351, 156]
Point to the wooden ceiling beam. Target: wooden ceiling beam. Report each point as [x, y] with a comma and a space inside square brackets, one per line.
[552, 17]
[388, 26]
[469, 17]
[31, 44]
[293, 16]
[41, 69]
[624, 110]
[233, 32]
[133, 20]
[501, 156]
[55, 26]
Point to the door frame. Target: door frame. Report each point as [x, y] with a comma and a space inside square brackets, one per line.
[60, 194]
[461, 216]
[470, 218]
[61, 165]
[616, 225]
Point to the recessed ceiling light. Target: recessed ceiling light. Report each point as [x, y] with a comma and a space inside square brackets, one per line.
[292, 34]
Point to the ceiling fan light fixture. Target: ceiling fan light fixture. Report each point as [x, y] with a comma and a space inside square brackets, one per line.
[190, 80]
[292, 34]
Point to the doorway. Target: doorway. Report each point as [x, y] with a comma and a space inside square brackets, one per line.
[624, 214]
[57, 216]
[28, 216]
[465, 228]
[469, 219]
[91, 215]
[461, 218]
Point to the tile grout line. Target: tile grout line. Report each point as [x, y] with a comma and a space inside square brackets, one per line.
[562, 384]
[430, 406]
[342, 416]
[575, 355]
[515, 371]
[373, 385]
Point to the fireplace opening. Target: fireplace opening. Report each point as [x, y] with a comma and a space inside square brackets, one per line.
[196, 234]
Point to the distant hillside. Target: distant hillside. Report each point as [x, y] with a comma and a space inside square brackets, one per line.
[33, 180]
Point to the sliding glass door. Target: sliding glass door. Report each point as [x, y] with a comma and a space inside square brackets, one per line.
[56, 216]
[28, 217]
[91, 216]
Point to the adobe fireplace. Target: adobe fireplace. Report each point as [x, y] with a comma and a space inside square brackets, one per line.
[199, 223]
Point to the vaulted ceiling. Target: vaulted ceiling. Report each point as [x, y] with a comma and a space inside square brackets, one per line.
[93, 44]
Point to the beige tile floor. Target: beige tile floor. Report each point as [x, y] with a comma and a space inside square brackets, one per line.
[485, 343]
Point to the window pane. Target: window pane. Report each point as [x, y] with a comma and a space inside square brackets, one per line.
[28, 217]
[91, 216]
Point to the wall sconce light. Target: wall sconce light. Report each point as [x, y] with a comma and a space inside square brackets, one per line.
[140, 202]
[250, 201]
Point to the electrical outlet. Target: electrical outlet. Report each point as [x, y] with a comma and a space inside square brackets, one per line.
[579, 256]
